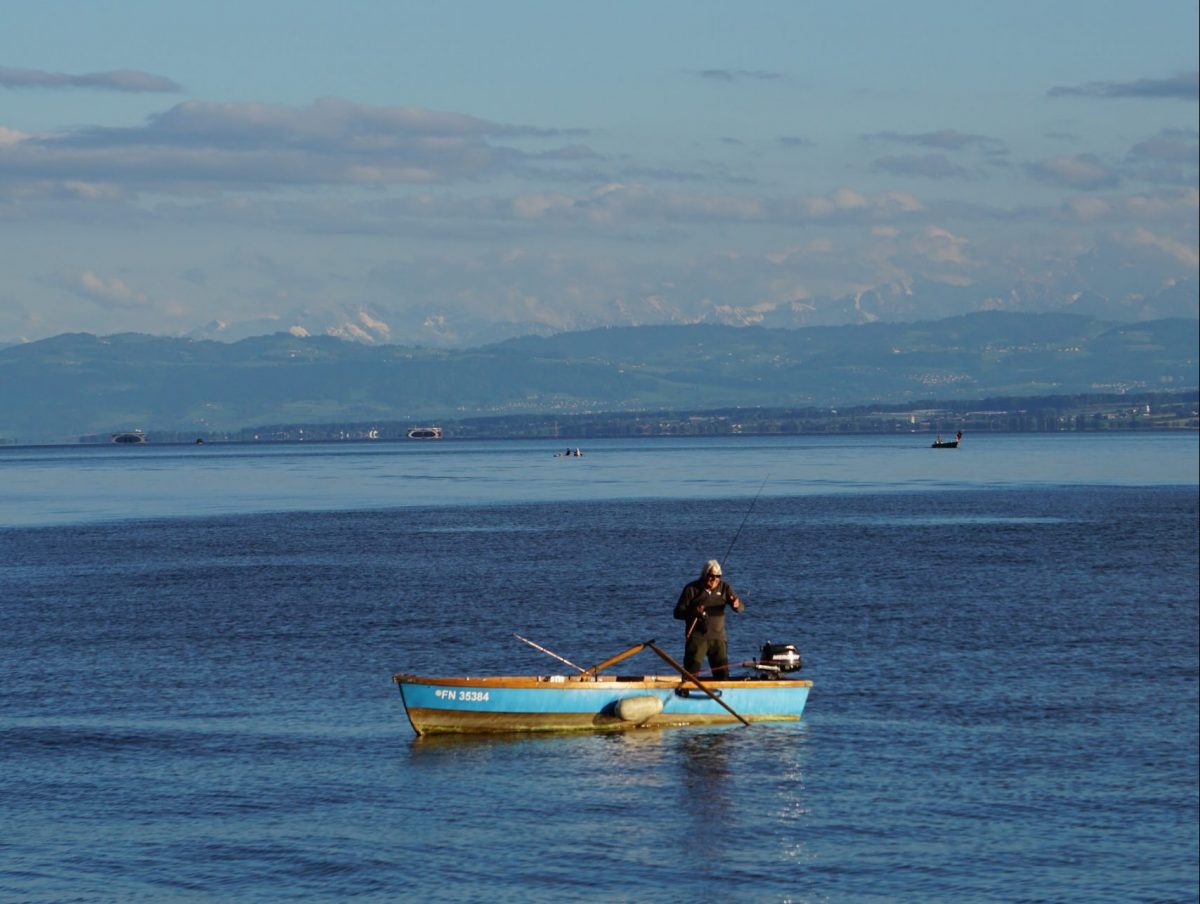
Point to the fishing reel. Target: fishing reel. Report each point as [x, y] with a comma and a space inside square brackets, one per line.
[777, 658]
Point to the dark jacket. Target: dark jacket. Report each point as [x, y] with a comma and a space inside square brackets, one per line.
[696, 594]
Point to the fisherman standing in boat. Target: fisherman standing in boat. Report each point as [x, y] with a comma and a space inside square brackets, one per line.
[702, 606]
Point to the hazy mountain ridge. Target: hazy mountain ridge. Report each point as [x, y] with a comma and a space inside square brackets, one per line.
[60, 388]
[1086, 290]
[456, 327]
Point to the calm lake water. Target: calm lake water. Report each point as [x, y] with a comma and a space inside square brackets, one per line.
[196, 646]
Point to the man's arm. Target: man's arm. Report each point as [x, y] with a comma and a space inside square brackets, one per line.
[683, 608]
[735, 601]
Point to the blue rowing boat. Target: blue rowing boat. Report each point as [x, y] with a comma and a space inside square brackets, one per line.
[590, 701]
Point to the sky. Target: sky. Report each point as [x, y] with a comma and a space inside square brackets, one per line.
[423, 173]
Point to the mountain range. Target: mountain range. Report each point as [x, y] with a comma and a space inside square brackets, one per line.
[1093, 288]
[57, 389]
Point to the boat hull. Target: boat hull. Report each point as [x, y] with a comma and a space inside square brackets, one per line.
[557, 703]
[425, 433]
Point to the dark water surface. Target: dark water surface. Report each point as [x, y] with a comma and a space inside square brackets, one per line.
[1005, 704]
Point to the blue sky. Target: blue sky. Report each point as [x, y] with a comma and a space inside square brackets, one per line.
[441, 173]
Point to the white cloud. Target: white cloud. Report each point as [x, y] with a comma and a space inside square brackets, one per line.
[531, 205]
[940, 245]
[927, 166]
[1180, 205]
[845, 201]
[109, 292]
[623, 206]
[821, 246]
[1083, 171]
[1172, 247]
[1177, 207]
[1087, 207]
[11, 136]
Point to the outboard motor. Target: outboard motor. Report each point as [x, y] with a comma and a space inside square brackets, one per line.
[778, 657]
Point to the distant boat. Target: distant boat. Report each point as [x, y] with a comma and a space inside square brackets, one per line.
[425, 433]
[129, 436]
[940, 443]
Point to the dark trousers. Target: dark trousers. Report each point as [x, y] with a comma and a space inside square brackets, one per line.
[698, 647]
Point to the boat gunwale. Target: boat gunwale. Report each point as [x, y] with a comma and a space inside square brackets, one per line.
[575, 682]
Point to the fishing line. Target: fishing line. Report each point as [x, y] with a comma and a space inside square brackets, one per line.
[697, 620]
[744, 520]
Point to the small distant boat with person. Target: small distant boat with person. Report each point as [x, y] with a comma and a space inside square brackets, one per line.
[590, 701]
[425, 433]
[940, 443]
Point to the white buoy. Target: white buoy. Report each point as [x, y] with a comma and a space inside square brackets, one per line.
[638, 709]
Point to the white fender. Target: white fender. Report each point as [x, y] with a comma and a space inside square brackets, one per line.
[638, 709]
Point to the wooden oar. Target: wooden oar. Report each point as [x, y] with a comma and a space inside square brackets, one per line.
[613, 660]
[692, 678]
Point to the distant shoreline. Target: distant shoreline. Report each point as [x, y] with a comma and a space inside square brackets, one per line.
[1161, 412]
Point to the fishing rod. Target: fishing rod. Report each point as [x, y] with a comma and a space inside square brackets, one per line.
[703, 615]
[549, 652]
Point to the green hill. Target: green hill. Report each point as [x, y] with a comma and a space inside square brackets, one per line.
[60, 388]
